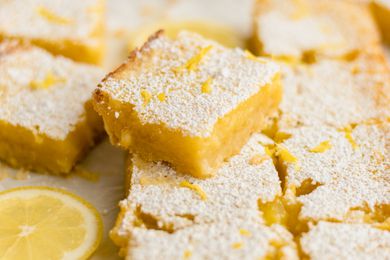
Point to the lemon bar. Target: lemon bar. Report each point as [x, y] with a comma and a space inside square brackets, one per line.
[335, 93]
[381, 11]
[47, 120]
[345, 241]
[168, 215]
[306, 30]
[71, 28]
[339, 174]
[188, 101]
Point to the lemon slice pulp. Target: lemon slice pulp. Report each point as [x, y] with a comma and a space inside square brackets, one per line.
[47, 223]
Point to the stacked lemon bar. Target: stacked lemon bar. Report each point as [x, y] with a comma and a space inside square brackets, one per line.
[188, 101]
[193, 104]
[332, 139]
[72, 28]
[46, 117]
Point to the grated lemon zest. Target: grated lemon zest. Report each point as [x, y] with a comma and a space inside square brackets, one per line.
[348, 135]
[281, 136]
[146, 96]
[206, 87]
[195, 188]
[245, 232]
[285, 154]
[52, 17]
[350, 139]
[269, 150]
[161, 97]
[237, 245]
[322, 147]
[193, 63]
[187, 254]
[47, 82]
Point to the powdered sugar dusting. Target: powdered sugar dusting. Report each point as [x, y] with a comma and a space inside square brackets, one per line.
[214, 240]
[346, 241]
[279, 34]
[335, 93]
[349, 177]
[53, 110]
[211, 227]
[186, 108]
[232, 193]
[292, 28]
[83, 19]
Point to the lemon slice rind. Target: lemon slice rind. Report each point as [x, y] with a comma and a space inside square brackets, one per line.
[92, 221]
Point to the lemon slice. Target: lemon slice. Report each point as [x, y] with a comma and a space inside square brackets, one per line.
[220, 33]
[47, 223]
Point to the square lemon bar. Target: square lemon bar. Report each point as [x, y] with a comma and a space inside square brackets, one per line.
[335, 93]
[71, 28]
[167, 215]
[188, 101]
[381, 11]
[339, 174]
[47, 121]
[305, 30]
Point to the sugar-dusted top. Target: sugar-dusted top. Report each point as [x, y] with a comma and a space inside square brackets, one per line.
[282, 35]
[200, 82]
[51, 20]
[43, 93]
[291, 28]
[223, 240]
[346, 241]
[351, 167]
[178, 200]
[335, 93]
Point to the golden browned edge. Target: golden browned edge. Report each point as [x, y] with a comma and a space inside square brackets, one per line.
[98, 95]
[131, 58]
[128, 174]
